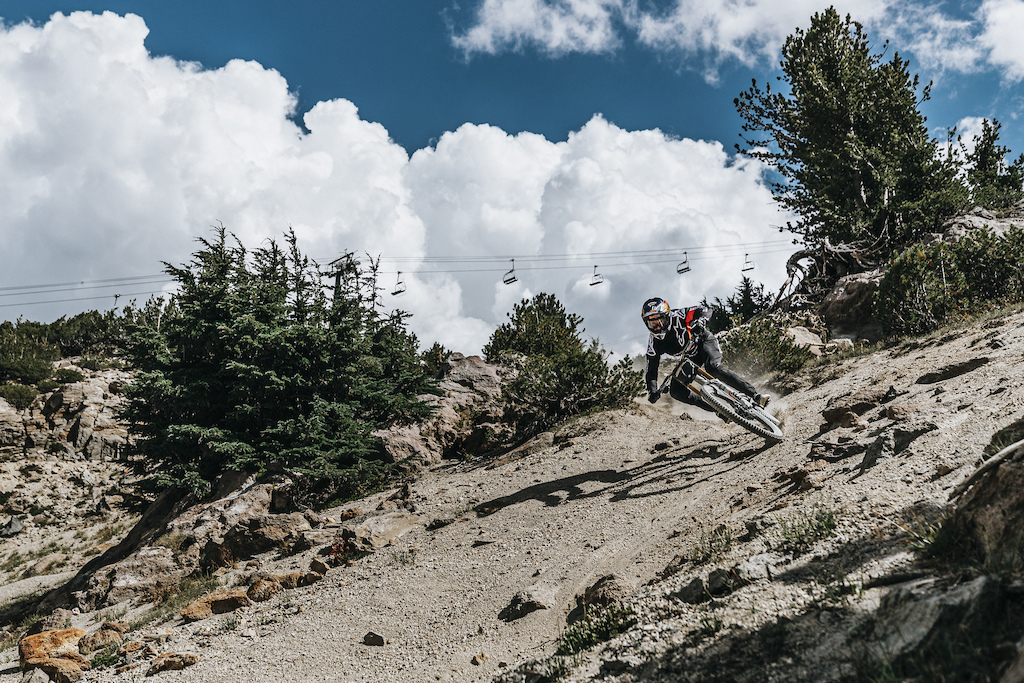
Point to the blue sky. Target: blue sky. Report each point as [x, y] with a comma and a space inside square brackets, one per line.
[573, 135]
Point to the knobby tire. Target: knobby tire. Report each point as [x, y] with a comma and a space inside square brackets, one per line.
[750, 419]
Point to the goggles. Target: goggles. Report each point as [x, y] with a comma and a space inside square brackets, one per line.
[655, 323]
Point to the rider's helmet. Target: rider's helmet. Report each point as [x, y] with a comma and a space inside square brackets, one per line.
[655, 314]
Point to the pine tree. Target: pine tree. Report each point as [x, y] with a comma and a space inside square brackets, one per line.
[994, 183]
[254, 368]
[848, 139]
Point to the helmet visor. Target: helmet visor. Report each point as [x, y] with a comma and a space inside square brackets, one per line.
[655, 323]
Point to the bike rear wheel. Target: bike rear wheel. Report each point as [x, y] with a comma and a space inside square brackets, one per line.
[752, 418]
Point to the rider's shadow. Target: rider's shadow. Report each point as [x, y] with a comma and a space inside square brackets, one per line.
[548, 492]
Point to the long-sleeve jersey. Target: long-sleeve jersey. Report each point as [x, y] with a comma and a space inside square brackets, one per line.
[687, 329]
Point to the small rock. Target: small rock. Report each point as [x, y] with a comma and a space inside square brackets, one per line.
[12, 528]
[610, 588]
[374, 639]
[35, 676]
[523, 603]
[479, 659]
[263, 589]
[171, 661]
[319, 566]
[693, 593]
[351, 513]
[719, 582]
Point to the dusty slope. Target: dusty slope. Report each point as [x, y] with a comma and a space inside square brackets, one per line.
[621, 493]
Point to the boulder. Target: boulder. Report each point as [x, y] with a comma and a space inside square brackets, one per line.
[12, 427]
[993, 512]
[54, 652]
[693, 593]
[383, 530]
[758, 567]
[263, 589]
[143, 572]
[919, 617]
[259, 534]
[219, 602]
[61, 643]
[171, 661]
[609, 589]
[110, 633]
[847, 308]
[466, 418]
[12, 528]
[804, 338]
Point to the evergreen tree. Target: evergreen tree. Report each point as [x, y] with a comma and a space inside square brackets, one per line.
[993, 182]
[749, 300]
[848, 139]
[255, 368]
[557, 374]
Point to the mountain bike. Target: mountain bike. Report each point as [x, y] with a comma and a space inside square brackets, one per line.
[724, 400]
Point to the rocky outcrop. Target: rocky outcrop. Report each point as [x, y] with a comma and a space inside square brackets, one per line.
[466, 419]
[175, 540]
[79, 420]
[993, 512]
[847, 308]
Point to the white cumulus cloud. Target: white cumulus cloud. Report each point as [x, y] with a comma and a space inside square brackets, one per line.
[554, 26]
[112, 160]
[1003, 25]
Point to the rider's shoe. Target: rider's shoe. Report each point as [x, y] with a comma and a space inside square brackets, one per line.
[762, 399]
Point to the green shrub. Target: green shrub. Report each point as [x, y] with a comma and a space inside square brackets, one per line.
[18, 395]
[68, 376]
[96, 363]
[595, 627]
[930, 285]
[47, 385]
[799, 531]
[25, 354]
[761, 347]
[105, 659]
[556, 374]
[712, 544]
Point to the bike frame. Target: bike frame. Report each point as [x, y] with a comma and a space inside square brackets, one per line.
[701, 377]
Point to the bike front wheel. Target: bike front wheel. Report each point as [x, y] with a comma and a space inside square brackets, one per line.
[748, 415]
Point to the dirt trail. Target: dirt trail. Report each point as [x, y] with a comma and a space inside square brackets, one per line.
[620, 493]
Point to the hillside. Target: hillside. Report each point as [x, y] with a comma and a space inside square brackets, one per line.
[487, 558]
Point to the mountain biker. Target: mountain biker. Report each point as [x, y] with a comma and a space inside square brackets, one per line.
[675, 331]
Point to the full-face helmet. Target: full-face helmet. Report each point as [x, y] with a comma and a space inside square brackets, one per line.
[655, 314]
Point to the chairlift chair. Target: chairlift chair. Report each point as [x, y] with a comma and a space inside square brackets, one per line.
[399, 285]
[597, 279]
[684, 265]
[510, 276]
[747, 264]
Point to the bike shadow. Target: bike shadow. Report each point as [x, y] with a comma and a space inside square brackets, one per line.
[679, 464]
